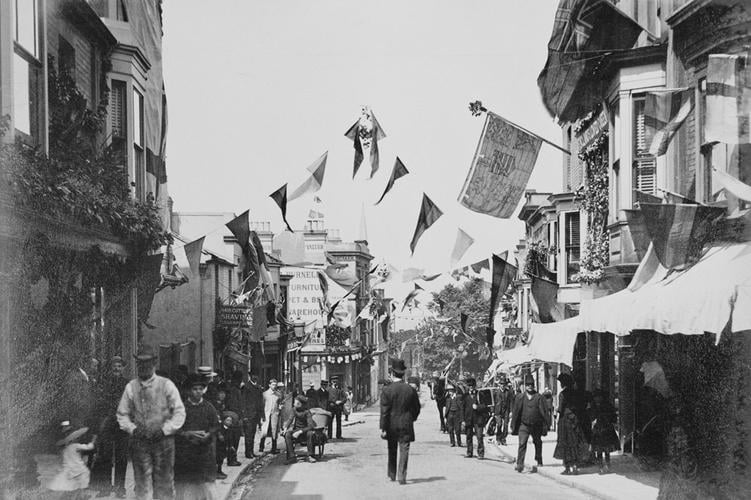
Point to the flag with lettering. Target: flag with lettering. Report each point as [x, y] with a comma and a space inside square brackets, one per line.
[500, 169]
[429, 213]
[728, 111]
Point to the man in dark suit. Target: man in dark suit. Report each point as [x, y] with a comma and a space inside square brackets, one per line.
[502, 409]
[252, 412]
[530, 419]
[322, 395]
[454, 415]
[312, 395]
[335, 398]
[438, 392]
[400, 407]
[475, 417]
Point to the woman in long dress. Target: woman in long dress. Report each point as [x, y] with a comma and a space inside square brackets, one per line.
[572, 446]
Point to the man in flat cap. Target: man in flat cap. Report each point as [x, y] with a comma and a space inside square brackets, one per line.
[152, 412]
[400, 407]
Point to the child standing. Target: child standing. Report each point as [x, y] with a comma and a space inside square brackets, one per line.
[604, 437]
[74, 476]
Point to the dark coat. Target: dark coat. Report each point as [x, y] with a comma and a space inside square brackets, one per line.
[473, 416]
[537, 400]
[400, 407]
[312, 396]
[322, 397]
[503, 403]
[454, 405]
[251, 402]
[234, 399]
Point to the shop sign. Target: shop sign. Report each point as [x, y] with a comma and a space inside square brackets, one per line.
[593, 131]
[235, 316]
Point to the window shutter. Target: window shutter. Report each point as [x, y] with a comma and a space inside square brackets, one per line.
[572, 229]
[645, 165]
[117, 111]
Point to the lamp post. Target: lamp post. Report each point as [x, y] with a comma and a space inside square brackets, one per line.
[299, 330]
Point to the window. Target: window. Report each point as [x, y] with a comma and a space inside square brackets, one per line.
[118, 111]
[645, 164]
[553, 253]
[138, 153]
[27, 70]
[66, 58]
[26, 26]
[572, 246]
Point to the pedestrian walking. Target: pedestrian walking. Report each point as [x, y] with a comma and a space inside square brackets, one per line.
[151, 411]
[299, 428]
[572, 446]
[349, 403]
[474, 418]
[529, 419]
[112, 445]
[400, 407]
[251, 402]
[271, 399]
[453, 413]
[72, 475]
[502, 410]
[604, 438]
[195, 452]
[439, 395]
[336, 398]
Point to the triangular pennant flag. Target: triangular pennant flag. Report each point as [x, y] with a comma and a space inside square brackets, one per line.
[240, 227]
[411, 295]
[545, 305]
[193, 253]
[429, 213]
[343, 276]
[429, 277]
[353, 133]
[418, 287]
[365, 132]
[503, 275]
[280, 197]
[462, 244]
[376, 135]
[315, 181]
[398, 171]
[477, 267]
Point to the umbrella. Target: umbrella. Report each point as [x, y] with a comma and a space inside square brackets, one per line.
[654, 377]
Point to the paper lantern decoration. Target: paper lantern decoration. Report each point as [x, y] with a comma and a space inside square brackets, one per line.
[339, 359]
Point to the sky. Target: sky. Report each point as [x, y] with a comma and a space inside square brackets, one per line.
[258, 90]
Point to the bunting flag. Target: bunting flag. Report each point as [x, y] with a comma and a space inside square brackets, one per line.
[429, 213]
[315, 181]
[664, 113]
[397, 172]
[240, 228]
[545, 305]
[280, 197]
[462, 244]
[263, 267]
[638, 229]
[477, 267]
[384, 273]
[149, 277]
[463, 321]
[411, 295]
[728, 107]
[732, 185]
[679, 232]
[500, 169]
[365, 132]
[672, 198]
[503, 274]
[429, 277]
[384, 324]
[193, 253]
[342, 276]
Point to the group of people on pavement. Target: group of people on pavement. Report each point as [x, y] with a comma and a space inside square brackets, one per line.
[585, 421]
[177, 431]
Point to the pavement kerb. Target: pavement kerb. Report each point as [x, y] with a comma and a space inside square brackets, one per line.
[565, 480]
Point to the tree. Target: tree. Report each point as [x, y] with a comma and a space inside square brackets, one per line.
[441, 338]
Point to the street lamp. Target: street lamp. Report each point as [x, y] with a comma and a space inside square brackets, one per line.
[299, 329]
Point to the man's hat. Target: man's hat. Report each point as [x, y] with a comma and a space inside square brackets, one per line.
[324, 381]
[413, 380]
[145, 353]
[196, 379]
[450, 387]
[471, 382]
[312, 384]
[231, 414]
[117, 359]
[206, 371]
[72, 435]
[398, 366]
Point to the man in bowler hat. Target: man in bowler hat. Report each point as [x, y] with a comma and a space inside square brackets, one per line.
[474, 418]
[530, 419]
[400, 407]
[152, 412]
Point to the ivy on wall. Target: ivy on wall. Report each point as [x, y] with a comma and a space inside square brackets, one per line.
[593, 197]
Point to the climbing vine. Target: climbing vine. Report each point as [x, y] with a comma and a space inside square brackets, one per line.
[593, 197]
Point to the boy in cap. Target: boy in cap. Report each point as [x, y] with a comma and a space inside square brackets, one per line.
[454, 411]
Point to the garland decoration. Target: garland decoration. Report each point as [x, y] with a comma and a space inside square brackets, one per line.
[593, 197]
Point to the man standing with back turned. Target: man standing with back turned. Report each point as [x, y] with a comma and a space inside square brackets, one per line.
[400, 407]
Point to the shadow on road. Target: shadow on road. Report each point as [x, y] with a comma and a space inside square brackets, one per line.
[426, 479]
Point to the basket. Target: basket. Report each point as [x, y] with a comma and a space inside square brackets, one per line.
[320, 417]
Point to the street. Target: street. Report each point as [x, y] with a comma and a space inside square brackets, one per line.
[356, 468]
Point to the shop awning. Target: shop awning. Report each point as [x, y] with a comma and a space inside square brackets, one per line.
[554, 342]
[584, 32]
[702, 298]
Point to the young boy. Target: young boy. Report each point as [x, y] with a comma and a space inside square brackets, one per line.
[224, 448]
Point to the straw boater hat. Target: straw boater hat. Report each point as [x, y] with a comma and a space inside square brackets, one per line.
[206, 371]
[70, 434]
